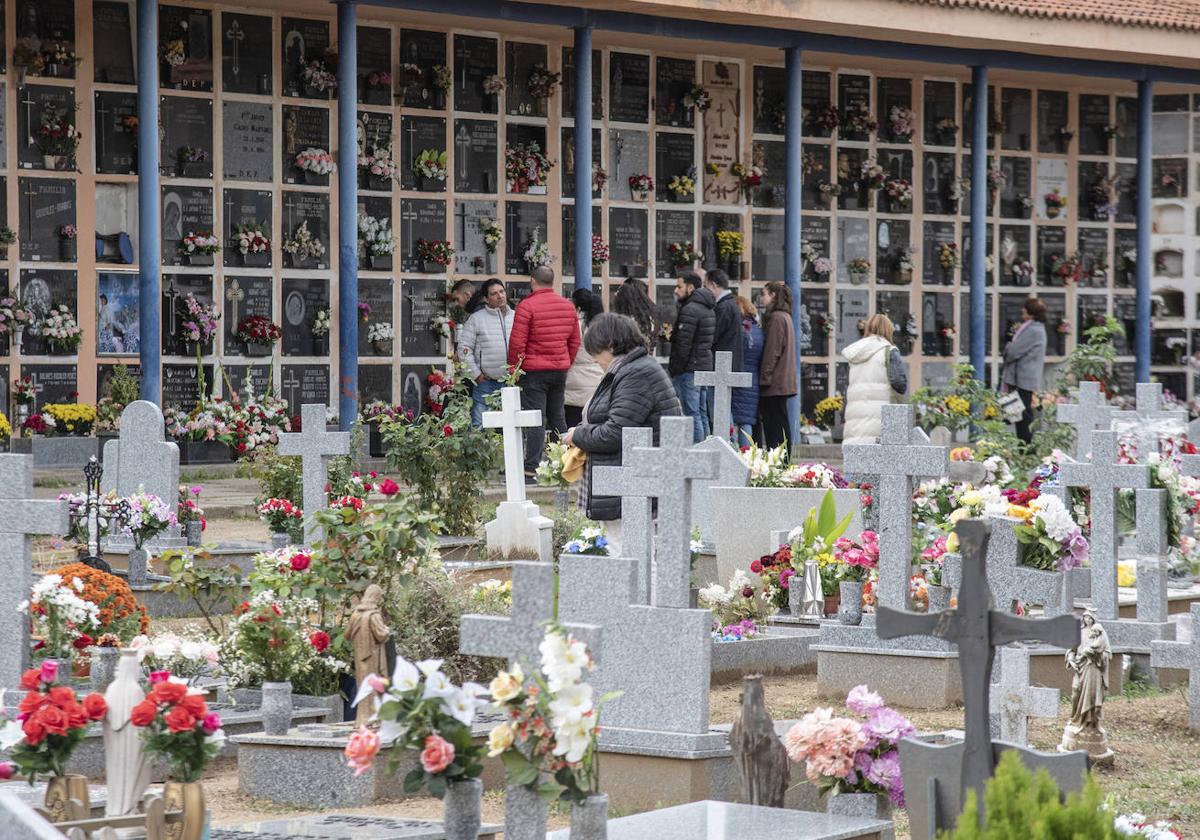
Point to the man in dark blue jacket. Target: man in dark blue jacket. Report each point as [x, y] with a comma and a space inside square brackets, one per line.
[692, 347]
[727, 336]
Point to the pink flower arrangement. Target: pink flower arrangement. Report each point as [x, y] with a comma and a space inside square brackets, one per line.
[859, 557]
[437, 755]
[361, 750]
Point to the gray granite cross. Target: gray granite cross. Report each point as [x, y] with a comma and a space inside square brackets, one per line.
[1014, 700]
[20, 517]
[1152, 549]
[637, 515]
[1185, 655]
[511, 419]
[1091, 412]
[1007, 579]
[313, 444]
[723, 379]
[902, 453]
[1104, 478]
[1148, 408]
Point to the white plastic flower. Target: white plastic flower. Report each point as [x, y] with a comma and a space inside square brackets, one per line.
[571, 703]
[405, 677]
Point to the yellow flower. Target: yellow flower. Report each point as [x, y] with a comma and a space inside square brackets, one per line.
[972, 498]
[507, 685]
[500, 740]
[990, 412]
[952, 542]
[958, 515]
[1127, 573]
[961, 453]
[1019, 512]
[957, 405]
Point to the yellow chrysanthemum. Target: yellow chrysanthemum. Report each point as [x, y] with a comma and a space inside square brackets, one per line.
[957, 405]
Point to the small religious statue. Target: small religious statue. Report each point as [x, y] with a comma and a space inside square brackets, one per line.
[367, 632]
[1008, 252]
[1090, 662]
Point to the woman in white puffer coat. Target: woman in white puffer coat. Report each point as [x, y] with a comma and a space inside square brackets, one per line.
[877, 376]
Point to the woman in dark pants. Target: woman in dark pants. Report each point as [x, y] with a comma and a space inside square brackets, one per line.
[1025, 362]
[777, 370]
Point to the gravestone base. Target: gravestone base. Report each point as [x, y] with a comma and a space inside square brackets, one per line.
[1048, 668]
[1134, 637]
[520, 532]
[65, 452]
[908, 678]
[779, 650]
[704, 570]
[341, 827]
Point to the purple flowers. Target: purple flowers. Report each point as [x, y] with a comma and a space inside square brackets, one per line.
[862, 700]
[884, 772]
[886, 725]
[1077, 552]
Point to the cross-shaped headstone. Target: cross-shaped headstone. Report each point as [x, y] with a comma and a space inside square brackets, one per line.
[512, 419]
[314, 445]
[667, 472]
[1089, 413]
[1104, 477]
[977, 630]
[902, 453]
[1149, 408]
[637, 516]
[723, 379]
[1014, 700]
[1152, 549]
[1007, 579]
[20, 517]
[1185, 655]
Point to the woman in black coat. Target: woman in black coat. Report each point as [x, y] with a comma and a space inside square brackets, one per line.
[634, 393]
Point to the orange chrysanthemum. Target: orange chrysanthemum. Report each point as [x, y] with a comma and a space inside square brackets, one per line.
[109, 593]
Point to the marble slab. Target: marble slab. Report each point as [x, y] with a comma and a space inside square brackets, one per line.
[340, 827]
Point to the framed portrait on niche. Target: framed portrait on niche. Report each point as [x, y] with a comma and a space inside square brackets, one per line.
[118, 327]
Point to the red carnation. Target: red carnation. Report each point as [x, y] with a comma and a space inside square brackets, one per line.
[447, 430]
[320, 641]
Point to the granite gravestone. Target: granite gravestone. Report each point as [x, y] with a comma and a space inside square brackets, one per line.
[671, 226]
[471, 255]
[247, 146]
[519, 528]
[246, 209]
[568, 248]
[769, 98]
[568, 84]
[568, 159]
[1151, 622]
[938, 183]
[1013, 700]
[246, 297]
[723, 379]
[628, 241]
[303, 41]
[303, 300]
[181, 385]
[674, 155]
[185, 137]
[112, 43]
[629, 87]
[674, 79]
[375, 292]
[422, 51]
[374, 58]
[1008, 580]
[303, 128]
[520, 61]
[257, 377]
[420, 218]
[142, 460]
[42, 289]
[420, 134]
[191, 30]
[375, 383]
[314, 445]
[637, 517]
[420, 302]
[476, 152]
[1149, 420]
[767, 242]
[1185, 655]
[246, 54]
[311, 209]
[185, 210]
[475, 59]
[47, 208]
[1093, 119]
[628, 155]
[36, 103]
[175, 290]
[116, 152]
[302, 385]
[524, 221]
[51, 383]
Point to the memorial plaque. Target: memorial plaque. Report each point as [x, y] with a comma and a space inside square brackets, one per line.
[1052, 246]
[941, 114]
[248, 148]
[938, 184]
[419, 134]
[816, 171]
[936, 235]
[246, 53]
[854, 97]
[520, 60]
[767, 246]
[303, 385]
[42, 289]
[568, 84]
[814, 386]
[898, 163]
[568, 159]
[374, 384]
[303, 42]
[246, 296]
[769, 99]
[816, 324]
[1016, 113]
[849, 168]
[853, 308]
[313, 208]
[722, 138]
[184, 210]
[1051, 175]
[414, 388]
[816, 101]
[47, 208]
[771, 157]
[185, 37]
[990, 278]
[35, 103]
[898, 307]
[853, 243]
[420, 218]
[420, 52]
[1169, 134]
[568, 245]
[376, 292]
[303, 128]
[470, 253]
[710, 223]
[892, 93]
[1090, 206]
[937, 324]
[892, 246]
[421, 302]
[524, 222]
[628, 241]
[674, 154]
[674, 79]
[1126, 120]
[525, 134]
[1126, 193]
[112, 43]
[1094, 118]
[1016, 198]
[104, 374]
[814, 233]
[118, 321]
[628, 155]
[474, 60]
[374, 65]
[237, 377]
[475, 156]
[1170, 178]
[1125, 311]
[967, 108]
[53, 384]
[302, 301]
[1124, 248]
[245, 208]
[671, 226]
[964, 321]
[116, 132]
[175, 290]
[186, 140]
[1090, 311]
[1053, 115]
[629, 87]
[1168, 347]
[1015, 249]
[374, 135]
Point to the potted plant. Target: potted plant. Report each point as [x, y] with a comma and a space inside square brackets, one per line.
[434, 255]
[283, 520]
[430, 169]
[67, 250]
[190, 515]
[872, 177]
[729, 249]
[303, 247]
[526, 168]
[267, 636]
[376, 239]
[380, 335]
[257, 332]
[57, 138]
[829, 193]
[1055, 202]
[681, 188]
[316, 165]
[683, 255]
[199, 248]
[378, 170]
[253, 244]
[8, 238]
[190, 162]
[60, 330]
[859, 270]
[640, 186]
[320, 332]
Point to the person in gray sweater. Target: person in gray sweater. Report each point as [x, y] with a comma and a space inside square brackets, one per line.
[483, 346]
[1025, 362]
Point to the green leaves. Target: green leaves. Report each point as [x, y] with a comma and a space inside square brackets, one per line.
[518, 770]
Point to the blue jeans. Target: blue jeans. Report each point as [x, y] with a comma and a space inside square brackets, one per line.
[691, 398]
[478, 394]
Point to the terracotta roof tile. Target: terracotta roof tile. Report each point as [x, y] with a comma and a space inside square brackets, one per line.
[1159, 14]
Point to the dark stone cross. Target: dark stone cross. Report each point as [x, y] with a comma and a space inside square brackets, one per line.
[976, 629]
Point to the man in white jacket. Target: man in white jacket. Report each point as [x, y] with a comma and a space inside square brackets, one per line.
[483, 346]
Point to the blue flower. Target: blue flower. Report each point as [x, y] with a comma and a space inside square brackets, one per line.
[601, 542]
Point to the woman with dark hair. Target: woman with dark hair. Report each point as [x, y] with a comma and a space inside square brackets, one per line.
[632, 300]
[777, 370]
[584, 374]
[634, 393]
[1025, 362]
[743, 402]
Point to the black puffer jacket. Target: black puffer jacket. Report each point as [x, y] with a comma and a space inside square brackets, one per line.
[693, 334]
[635, 395]
[728, 329]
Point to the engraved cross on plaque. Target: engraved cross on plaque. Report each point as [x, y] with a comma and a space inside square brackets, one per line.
[28, 102]
[236, 36]
[235, 294]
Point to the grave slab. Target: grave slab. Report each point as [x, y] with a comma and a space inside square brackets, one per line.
[341, 827]
[780, 650]
[1183, 655]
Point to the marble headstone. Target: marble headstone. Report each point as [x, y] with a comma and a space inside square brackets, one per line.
[141, 458]
[519, 529]
[637, 509]
[314, 445]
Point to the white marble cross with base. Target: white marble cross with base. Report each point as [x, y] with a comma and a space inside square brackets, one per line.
[1148, 408]
[1184, 655]
[1014, 700]
[519, 529]
[1091, 412]
[314, 445]
[637, 514]
[723, 379]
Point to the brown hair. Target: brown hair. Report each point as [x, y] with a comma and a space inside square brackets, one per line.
[783, 296]
[880, 325]
[746, 307]
[1036, 308]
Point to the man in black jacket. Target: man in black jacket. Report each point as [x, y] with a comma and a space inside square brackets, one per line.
[728, 335]
[692, 347]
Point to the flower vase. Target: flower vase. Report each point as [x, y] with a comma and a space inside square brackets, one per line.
[828, 199]
[314, 179]
[904, 276]
[640, 195]
[276, 707]
[1052, 211]
[463, 809]
[187, 797]
[256, 259]
[67, 250]
[382, 346]
[104, 667]
[589, 819]
[871, 197]
[139, 562]
[562, 497]
[193, 531]
[67, 798]
[939, 598]
[862, 805]
[50, 161]
[280, 540]
[850, 605]
[525, 813]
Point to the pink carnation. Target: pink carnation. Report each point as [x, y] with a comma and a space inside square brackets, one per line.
[826, 744]
[862, 700]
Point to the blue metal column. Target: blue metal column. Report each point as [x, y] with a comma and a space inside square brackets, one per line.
[347, 214]
[149, 213]
[979, 197]
[793, 260]
[583, 157]
[1145, 259]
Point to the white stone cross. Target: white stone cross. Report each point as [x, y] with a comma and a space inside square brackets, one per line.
[1014, 700]
[512, 419]
[314, 445]
[1089, 413]
[1008, 580]
[1184, 655]
[902, 453]
[637, 515]
[723, 379]
[20, 517]
[1104, 477]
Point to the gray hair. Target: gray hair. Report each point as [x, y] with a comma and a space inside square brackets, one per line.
[543, 275]
[615, 333]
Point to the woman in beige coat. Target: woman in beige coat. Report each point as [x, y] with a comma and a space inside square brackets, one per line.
[584, 374]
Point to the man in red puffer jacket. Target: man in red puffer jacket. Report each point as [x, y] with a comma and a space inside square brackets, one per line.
[545, 338]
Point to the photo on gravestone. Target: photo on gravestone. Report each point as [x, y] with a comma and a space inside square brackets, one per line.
[937, 324]
[894, 260]
[1053, 268]
[819, 109]
[309, 65]
[185, 52]
[898, 307]
[247, 217]
[853, 244]
[672, 227]
[301, 385]
[104, 375]
[769, 99]
[181, 386]
[181, 293]
[186, 140]
[476, 155]
[848, 165]
[816, 322]
[374, 65]
[423, 139]
[186, 211]
[964, 320]
[989, 278]
[568, 244]
[116, 132]
[421, 53]
[1170, 178]
[46, 219]
[721, 146]
[770, 156]
[674, 79]
[376, 293]
[1016, 115]
[375, 384]
[248, 148]
[568, 162]
[521, 93]
[1016, 197]
[414, 388]
[48, 24]
[1126, 119]
[628, 242]
[42, 290]
[710, 246]
[306, 315]
[898, 164]
[767, 244]
[674, 156]
[814, 245]
[629, 87]
[376, 233]
[1090, 311]
[236, 377]
[39, 105]
[1053, 118]
[246, 296]
[475, 61]
[422, 302]
[815, 171]
[1094, 256]
[1016, 256]
[420, 219]
[305, 142]
[894, 111]
[305, 230]
[814, 386]
[525, 239]
[52, 384]
[112, 43]
[628, 155]
[1094, 119]
[940, 106]
[938, 187]
[246, 53]
[854, 107]
[471, 220]
[118, 322]
[375, 144]
[568, 83]
[939, 250]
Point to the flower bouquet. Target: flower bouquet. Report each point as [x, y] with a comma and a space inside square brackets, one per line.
[60, 616]
[827, 410]
[872, 176]
[1055, 202]
[588, 538]
[1051, 537]
[252, 242]
[188, 657]
[549, 472]
[860, 120]
[434, 252]
[177, 726]
[859, 270]
[52, 723]
[257, 330]
[900, 191]
[303, 246]
[526, 168]
[316, 164]
[729, 244]
[381, 335]
[901, 122]
[198, 248]
[148, 517]
[682, 187]
[750, 177]
[379, 167]
[737, 608]
[641, 186]
[58, 138]
[60, 330]
[493, 85]
[829, 192]
[321, 323]
[683, 254]
[430, 166]
[859, 558]
[375, 237]
[200, 321]
[542, 82]
[599, 251]
[72, 418]
[317, 76]
[537, 253]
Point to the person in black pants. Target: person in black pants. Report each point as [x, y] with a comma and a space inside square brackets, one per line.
[1025, 362]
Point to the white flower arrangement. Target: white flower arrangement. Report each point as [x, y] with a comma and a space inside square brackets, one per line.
[303, 245]
[538, 252]
[379, 163]
[321, 323]
[375, 235]
[252, 239]
[60, 329]
[380, 331]
[184, 656]
[316, 161]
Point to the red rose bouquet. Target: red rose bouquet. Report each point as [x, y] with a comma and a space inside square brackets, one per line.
[258, 330]
[177, 725]
[53, 722]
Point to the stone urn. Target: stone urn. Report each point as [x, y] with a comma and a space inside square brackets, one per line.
[939, 598]
[525, 813]
[280, 540]
[864, 805]
[104, 667]
[194, 533]
[850, 605]
[589, 819]
[463, 809]
[276, 707]
[139, 562]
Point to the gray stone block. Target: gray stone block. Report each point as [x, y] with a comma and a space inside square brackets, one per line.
[780, 650]
[1184, 655]
[340, 827]
[314, 445]
[708, 494]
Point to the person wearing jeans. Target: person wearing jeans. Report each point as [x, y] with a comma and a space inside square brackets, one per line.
[692, 348]
[483, 347]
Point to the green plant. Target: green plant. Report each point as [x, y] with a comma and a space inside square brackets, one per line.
[278, 476]
[211, 589]
[1093, 359]
[957, 404]
[123, 386]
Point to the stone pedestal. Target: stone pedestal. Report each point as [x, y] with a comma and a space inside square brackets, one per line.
[912, 679]
[520, 532]
[1093, 741]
